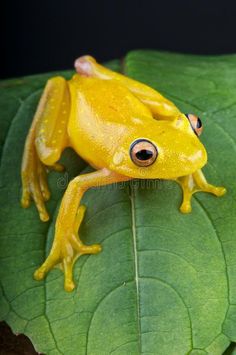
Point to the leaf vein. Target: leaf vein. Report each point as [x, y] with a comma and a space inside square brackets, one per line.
[136, 275]
[171, 253]
[180, 297]
[223, 254]
[96, 308]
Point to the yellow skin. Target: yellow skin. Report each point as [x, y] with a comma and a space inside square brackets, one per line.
[100, 113]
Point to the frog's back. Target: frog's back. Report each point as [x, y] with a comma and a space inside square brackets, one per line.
[108, 99]
[103, 113]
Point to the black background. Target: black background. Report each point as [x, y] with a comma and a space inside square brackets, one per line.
[40, 36]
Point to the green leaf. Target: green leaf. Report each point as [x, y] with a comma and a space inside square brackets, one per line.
[165, 282]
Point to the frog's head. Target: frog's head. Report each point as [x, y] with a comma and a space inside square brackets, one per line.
[161, 149]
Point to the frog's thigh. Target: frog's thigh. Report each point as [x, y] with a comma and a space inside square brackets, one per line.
[160, 107]
[53, 114]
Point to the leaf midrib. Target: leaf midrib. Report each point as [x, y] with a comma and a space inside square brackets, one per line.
[136, 270]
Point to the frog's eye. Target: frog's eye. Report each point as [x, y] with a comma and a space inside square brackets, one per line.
[143, 152]
[195, 123]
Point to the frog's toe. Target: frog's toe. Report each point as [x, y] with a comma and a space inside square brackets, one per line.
[186, 207]
[219, 191]
[39, 274]
[25, 199]
[69, 285]
[91, 249]
[83, 65]
[68, 261]
[39, 202]
[215, 190]
[82, 249]
[58, 167]
[35, 187]
[44, 188]
[79, 217]
[44, 217]
[68, 271]
[46, 194]
[52, 260]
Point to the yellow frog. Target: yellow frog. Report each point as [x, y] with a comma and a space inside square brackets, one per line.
[122, 128]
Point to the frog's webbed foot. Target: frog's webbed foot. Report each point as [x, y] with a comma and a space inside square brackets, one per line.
[66, 248]
[194, 183]
[34, 184]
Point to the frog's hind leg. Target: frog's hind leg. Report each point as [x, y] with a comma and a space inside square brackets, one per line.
[160, 107]
[194, 183]
[44, 144]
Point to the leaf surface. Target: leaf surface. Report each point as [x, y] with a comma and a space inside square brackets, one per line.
[165, 282]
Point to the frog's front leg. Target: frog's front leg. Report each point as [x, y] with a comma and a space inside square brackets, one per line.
[194, 183]
[67, 246]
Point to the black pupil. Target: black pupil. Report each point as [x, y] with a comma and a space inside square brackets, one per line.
[144, 154]
[199, 123]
